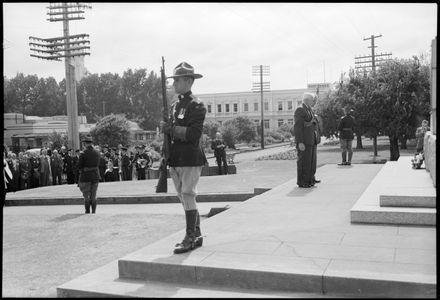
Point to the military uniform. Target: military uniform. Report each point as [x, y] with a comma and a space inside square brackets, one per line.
[346, 136]
[186, 156]
[89, 176]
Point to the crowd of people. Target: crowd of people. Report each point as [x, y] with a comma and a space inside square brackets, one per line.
[56, 166]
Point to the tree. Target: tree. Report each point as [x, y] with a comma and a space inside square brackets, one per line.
[143, 95]
[210, 128]
[246, 131]
[21, 94]
[229, 132]
[404, 89]
[50, 99]
[111, 130]
[57, 140]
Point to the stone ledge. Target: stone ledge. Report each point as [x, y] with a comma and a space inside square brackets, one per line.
[397, 184]
[400, 216]
[407, 201]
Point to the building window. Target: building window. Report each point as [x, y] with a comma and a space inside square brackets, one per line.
[266, 124]
[227, 108]
[140, 136]
[246, 107]
[300, 102]
[220, 122]
[266, 105]
[280, 122]
[219, 108]
[209, 108]
[289, 121]
[256, 106]
[235, 107]
[289, 105]
[280, 106]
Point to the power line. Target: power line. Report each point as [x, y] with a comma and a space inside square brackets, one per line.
[370, 62]
[67, 47]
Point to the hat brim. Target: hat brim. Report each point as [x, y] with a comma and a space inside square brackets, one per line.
[195, 76]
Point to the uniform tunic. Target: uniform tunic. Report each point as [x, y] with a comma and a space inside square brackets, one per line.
[346, 127]
[190, 113]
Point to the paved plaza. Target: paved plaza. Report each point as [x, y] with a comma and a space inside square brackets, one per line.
[288, 241]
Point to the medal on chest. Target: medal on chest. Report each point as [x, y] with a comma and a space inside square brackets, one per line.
[181, 113]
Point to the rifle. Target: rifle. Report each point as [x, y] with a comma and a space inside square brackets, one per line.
[162, 185]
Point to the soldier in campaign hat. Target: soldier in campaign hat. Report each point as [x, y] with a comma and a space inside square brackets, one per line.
[186, 156]
[88, 163]
[346, 136]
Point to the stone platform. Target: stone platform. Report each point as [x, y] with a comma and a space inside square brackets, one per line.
[398, 194]
[286, 242]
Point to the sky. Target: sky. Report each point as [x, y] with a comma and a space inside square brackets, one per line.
[301, 43]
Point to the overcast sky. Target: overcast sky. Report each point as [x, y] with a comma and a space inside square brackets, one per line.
[301, 42]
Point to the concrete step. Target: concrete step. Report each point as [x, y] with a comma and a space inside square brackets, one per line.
[395, 215]
[286, 240]
[394, 200]
[136, 199]
[105, 282]
[398, 195]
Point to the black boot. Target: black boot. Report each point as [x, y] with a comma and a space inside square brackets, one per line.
[87, 206]
[199, 241]
[188, 242]
[93, 208]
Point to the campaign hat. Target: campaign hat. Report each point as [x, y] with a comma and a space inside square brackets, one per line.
[184, 69]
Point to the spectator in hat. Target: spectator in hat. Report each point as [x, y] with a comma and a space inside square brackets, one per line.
[186, 156]
[346, 136]
[125, 162]
[88, 164]
[56, 164]
[44, 168]
[114, 156]
[218, 145]
[68, 163]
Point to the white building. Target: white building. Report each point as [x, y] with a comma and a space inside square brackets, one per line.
[279, 105]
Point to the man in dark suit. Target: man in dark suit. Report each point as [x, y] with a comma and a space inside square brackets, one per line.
[306, 139]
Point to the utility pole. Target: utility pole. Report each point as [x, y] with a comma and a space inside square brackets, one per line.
[376, 61]
[67, 46]
[370, 62]
[260, 87]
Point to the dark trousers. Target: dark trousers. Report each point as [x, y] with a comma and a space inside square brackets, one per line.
[304, 165]
[116, 172]
[141, 173]
[314, 161]
[56, 177]
[89, 190]
[222, 159]
[126, 175]
[70, 177]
